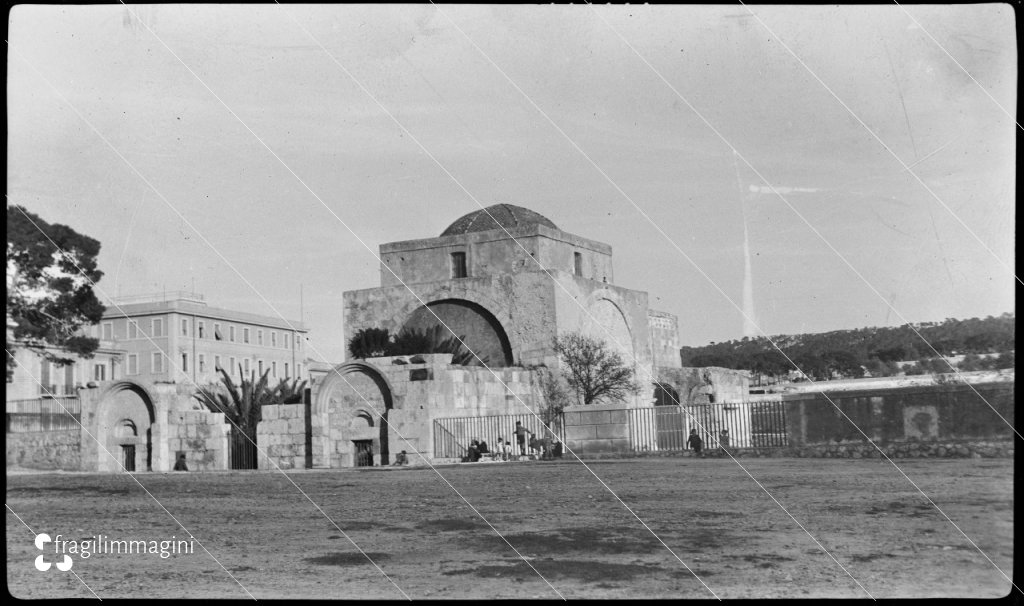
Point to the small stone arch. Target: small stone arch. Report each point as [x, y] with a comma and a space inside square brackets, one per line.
[665, 394]
[348, 393]
[124, 430]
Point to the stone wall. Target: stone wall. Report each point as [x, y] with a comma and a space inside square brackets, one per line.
[44, 450]
[281, 437]
[201, 436]
[597, 430]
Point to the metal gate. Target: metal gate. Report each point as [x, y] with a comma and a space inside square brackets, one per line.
[243, 451]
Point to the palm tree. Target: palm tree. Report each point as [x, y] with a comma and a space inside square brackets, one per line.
[243, 404]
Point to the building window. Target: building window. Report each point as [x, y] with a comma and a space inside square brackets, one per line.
[216, 363]
[234, 364]
[245, 335]
[577, 263]
[245, 365]
[231, 334]
[184, 327]
[69, 380]
[259, 336]
[286, 375]
[459, 265]
[133, 364]
[273, 338]
[202, 329]
[202, 363]
[158, 327]
[108, 331]
[216, 332]
[99, 372]
[184, 362]
[158, 362]
[259, 367]
[298, 371]
[133, 330]
[273, 369]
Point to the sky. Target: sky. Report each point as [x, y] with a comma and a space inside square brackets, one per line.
[260, 154]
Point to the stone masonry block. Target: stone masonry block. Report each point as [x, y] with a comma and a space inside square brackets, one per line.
[617, 430]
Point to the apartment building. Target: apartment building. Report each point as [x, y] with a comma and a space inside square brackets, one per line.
[178, 338]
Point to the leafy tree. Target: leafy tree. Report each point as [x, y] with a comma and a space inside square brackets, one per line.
[50, 272]
[593, 369]
[556, 395]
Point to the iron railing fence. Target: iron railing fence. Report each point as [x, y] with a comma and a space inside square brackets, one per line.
[43, 414]
[452, 436]
[749, 424]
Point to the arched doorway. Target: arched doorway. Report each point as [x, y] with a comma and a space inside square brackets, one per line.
[481, 332]
[352, 406]
[125, 429]
[665, 395]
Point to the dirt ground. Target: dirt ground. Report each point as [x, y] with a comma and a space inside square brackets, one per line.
[718, 533]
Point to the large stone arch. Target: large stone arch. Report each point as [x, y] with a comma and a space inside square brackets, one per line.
[124, 428]
[351, 408]
[605, 320]
[478, 328]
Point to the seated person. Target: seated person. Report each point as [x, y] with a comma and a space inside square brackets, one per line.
[474, 452]
[180, 464]
[401, 459]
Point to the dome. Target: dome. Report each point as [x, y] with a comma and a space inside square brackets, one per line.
[498, 216]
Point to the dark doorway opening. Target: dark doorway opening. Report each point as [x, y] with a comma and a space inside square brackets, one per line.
[128, 456]
[364, 453]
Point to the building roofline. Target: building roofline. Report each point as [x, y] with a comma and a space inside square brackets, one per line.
[191, 308]
[493, 235]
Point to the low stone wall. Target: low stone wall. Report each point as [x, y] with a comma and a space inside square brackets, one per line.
[596, 430]
[202, 436]
[281, 437]
[45, 450]
[911, 450]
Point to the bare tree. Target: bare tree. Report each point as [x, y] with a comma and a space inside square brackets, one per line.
[593, 369]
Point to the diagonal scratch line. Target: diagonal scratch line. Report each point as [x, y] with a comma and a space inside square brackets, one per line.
[34, 534]
[301, 181]
[454, 179]
[180, 371]
[208, 243]
[161, 505]
[847, 263]
[822, 237]
[781, 197]
[953, 59]
[886, 147]
[627, 197]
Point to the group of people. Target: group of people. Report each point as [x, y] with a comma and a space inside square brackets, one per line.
[546, 448]
[697, 444]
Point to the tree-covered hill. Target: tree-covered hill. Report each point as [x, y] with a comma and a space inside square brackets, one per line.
[849, 353]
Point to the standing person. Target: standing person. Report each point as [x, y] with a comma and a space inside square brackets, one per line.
[723, 440]
[521, 437]
[180, 464]
[499, 450]
[507, 450]
[696, 443]
[534, 446]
